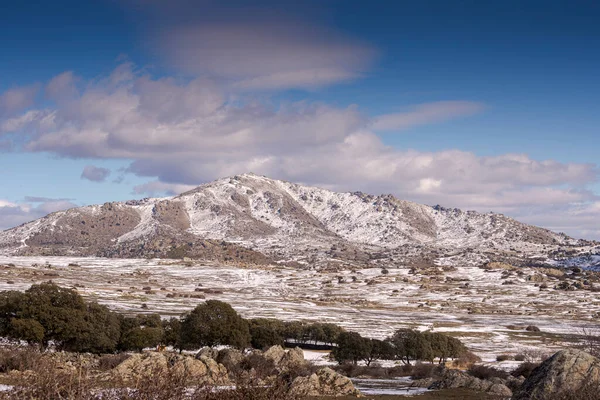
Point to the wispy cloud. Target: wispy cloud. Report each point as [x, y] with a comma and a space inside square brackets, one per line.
[428, 113]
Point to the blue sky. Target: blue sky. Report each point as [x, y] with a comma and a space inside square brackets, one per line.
[477, 105]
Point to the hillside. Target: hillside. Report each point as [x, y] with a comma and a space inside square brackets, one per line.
[250, 218]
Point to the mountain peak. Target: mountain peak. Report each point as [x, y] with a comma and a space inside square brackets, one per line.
[284, 221]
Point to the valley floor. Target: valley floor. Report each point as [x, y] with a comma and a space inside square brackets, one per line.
[471, 303]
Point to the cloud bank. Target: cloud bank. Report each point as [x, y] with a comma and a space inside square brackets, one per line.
[183, 133]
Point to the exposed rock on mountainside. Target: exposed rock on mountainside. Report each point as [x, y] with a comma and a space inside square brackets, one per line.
[249, 218]
[567, 371]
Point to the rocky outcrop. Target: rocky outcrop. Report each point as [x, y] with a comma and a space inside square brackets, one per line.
[324, 382]
[566, 371]
[203, 370]
[229, 357]
[453, 379]
[285, 360]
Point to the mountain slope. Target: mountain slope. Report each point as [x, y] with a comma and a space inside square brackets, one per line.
[265, 219]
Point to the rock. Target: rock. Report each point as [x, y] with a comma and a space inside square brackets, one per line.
[324, 382]
[285, 360]
[208, 352]
[229, 357]
[291, 359]
[453, 379]
[275, 354]
[566, 371]
[198, 371]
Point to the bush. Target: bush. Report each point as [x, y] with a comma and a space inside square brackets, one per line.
[110, 361]
[484, 372]
[532, 328]
[466, 360]
[503, 357]
[520, 357]
[524, 369]
[18, 359]
[422, 371]
[262, 367]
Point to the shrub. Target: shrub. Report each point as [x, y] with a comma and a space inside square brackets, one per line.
[532, 328]
[524, 369]
[18, 359]
[262, 367]
[520, 357]
[466, 360]
[422, 371]
[484, 372]
[504, 357]
[110, 361]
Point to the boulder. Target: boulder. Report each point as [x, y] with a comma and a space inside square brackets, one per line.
[275, 354]
[324, 382]
[208, 352]
[453, 379]
[229, 357]
[291, 359]
[285, 360]
[196, 371]
[566, 371]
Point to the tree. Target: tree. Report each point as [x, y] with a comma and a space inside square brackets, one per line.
[379, 350]
[410, 345]
[140, 338]
[264, 334]
[172, 333]
[65, 318]
[351, 347]
[26, 329]
[214, 323]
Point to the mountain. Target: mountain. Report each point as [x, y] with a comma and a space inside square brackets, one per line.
[254, 219]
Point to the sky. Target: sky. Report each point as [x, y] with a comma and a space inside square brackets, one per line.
[487, 106]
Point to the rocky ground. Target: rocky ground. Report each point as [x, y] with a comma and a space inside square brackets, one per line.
[488, 307]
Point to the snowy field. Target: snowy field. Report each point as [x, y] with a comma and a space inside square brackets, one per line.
[468, 302]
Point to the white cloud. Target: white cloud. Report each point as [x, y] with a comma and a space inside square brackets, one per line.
[13, 214]
[426, 114]
[184, 133]
[158, 188]
[16, 99]
[95, 174]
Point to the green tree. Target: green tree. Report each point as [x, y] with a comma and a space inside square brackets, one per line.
[26, 329]
[379, 350]
[214, 323]
[264, 336]
[351, 347]
[65, 317]
[411, 345]
[172, 332]
[140, 338]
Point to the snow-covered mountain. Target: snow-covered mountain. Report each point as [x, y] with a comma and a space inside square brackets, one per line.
[257, 219]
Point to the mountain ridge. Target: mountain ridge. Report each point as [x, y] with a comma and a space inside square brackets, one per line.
[283, 222]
